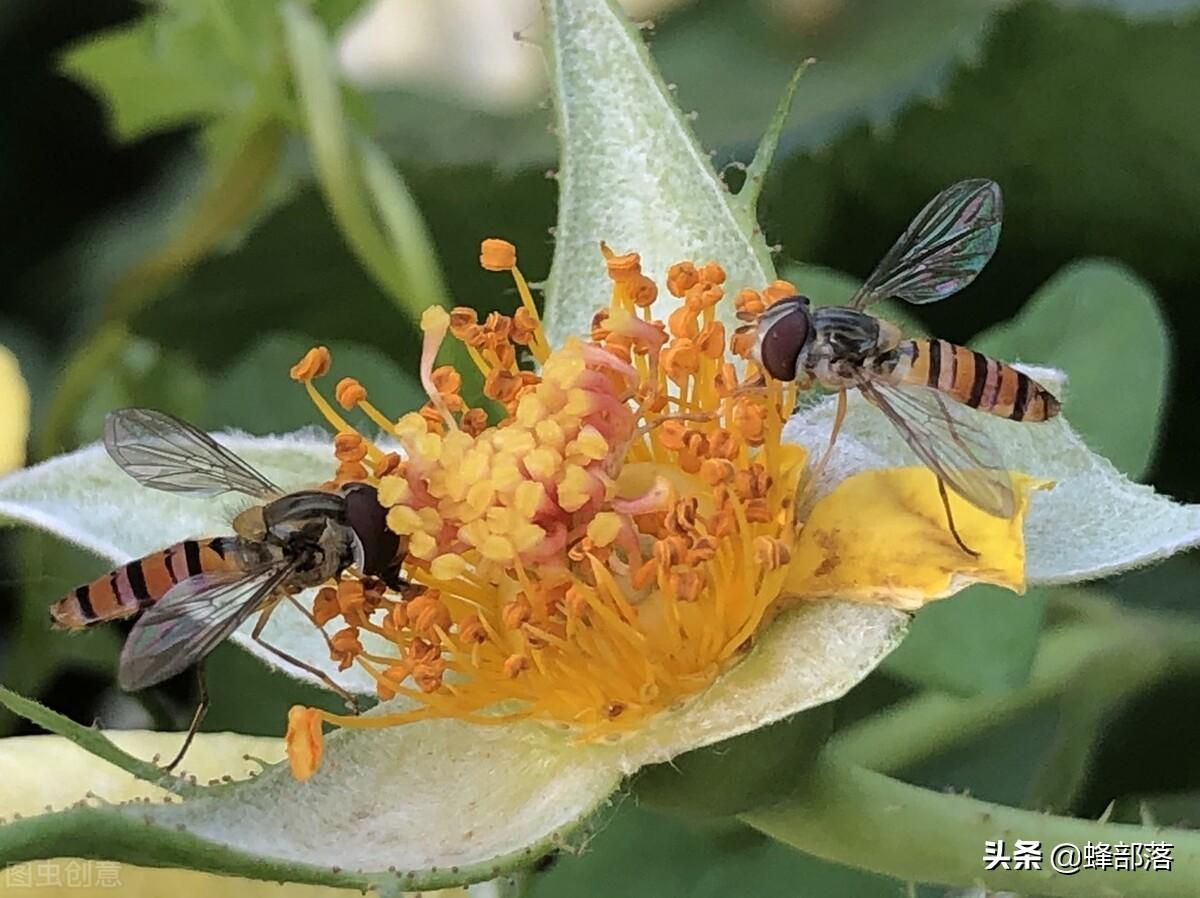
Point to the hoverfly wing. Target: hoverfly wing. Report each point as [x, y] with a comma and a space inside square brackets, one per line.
[162, 452]
[942, 250]
[192, 619]
[957, 451]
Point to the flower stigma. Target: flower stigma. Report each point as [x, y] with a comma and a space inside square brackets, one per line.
[608, 546]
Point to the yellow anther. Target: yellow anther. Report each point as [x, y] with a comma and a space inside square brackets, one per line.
[526, 536]
[576, 488]
[422, 545]
[530, 410]
[428, 446]
[603, 528]
[447, 567]
[528, 498]
[497, 255]
[496, 548]
[542, 462]
[315, 364]
[550, 433]
[404, 520]
[590, 444]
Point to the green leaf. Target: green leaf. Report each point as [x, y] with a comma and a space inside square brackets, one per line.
[1086, 316]
[871, 60]
[632, 173]
[982, 641]
[367, 197]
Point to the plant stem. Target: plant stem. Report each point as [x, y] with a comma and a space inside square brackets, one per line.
[931, 723]
[95, 742]
[850, 815]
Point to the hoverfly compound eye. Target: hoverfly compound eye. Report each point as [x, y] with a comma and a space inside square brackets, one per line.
[784, 331]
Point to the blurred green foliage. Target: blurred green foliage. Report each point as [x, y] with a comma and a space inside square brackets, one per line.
[177, 246]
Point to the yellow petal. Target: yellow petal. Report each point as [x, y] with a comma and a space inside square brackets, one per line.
[14, 412]
[881, 537]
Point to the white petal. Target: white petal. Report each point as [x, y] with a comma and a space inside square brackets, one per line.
[437, 793]
[83, 497]
[1093, 523]
[810, 655]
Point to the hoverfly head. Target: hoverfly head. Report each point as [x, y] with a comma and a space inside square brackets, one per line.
[785, 331]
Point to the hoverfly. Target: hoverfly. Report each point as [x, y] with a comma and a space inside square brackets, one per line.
[913, 381]
[195, 593]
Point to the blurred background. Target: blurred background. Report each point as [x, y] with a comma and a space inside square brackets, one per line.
[173, 240]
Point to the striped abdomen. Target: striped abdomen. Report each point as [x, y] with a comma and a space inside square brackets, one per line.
[128, 589]
[974, 379]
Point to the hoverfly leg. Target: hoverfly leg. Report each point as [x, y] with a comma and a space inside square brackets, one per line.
[805, 493]
[197, 719]
[256, 635]
[950, 520]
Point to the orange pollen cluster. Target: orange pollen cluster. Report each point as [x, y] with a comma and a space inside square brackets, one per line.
[603, 550]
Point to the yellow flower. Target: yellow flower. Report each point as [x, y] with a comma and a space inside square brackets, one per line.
[621, 535]
[14, 412]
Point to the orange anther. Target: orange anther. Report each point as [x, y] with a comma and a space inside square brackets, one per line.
[749, 420]
[716, 470]
[712, 340]
[474, 421]
[683, 323]
[704, 548]
[524, 326]
[643, 291]
[426, 613]
[726, 380]
[687, 584]
[712, 273]
[516, 613]
[464, 323]
[723, 444]
[304, 741]
[624, 268]
[351, 472]
[389, 464]
[315, 363]
[681, 277]
[325, 605]
[472, 630]
[778, 290]
[428, 674]
[446, 379]
[393, 676]
[501, 385]
[497, 255]
[349, 447]
[749, 304]
[742, 342]
[703, 296]
[344, 647]
[671, 434]
[349, 392]
[771, 553]
[681, 360]
[576, 603]
[514, 664]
